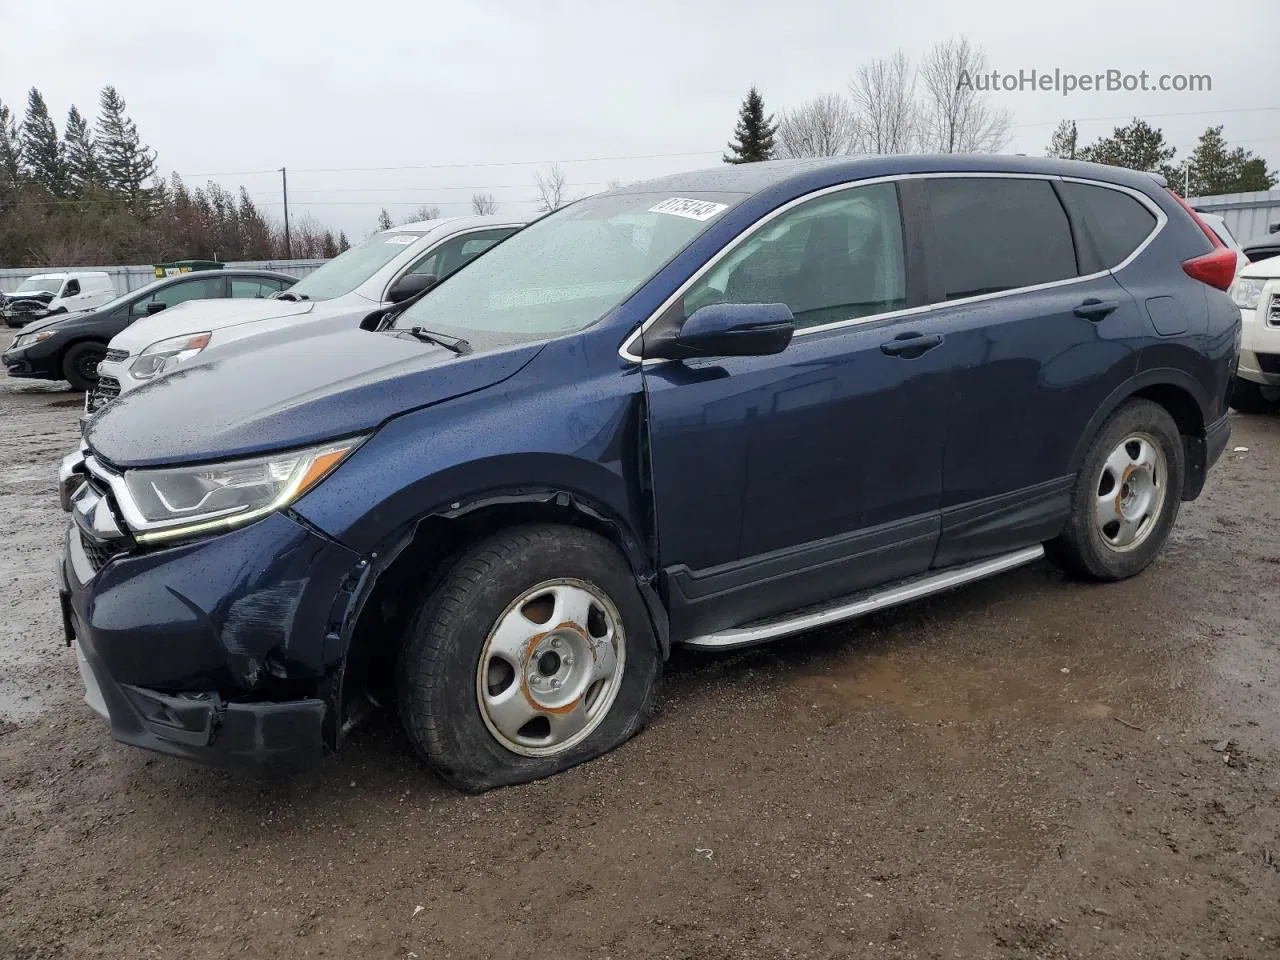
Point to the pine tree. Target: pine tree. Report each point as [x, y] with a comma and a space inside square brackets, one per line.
[754, 132]
[127, 164]
[328, 246]
[384, 220]
[1217, 170]
[81, 154]
[41, 149]
[343, 243]
[1065, 142]
[1139, 146]
[10, 149]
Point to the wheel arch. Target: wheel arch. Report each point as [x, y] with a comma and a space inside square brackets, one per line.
[1184, 400]
[412, 560]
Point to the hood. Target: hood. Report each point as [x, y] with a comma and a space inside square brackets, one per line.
[196, 316]
[56, 321]
[1268, 269]
[41, 296]
[289, 395]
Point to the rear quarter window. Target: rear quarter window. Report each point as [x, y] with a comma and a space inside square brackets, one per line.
[992, 234]
[1118, 222]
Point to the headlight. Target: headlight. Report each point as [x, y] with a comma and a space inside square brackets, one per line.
[171, 503]
[27, 339]
[1247, 291]
[165, 354]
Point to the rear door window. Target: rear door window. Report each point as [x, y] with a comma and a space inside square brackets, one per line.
[992, 234]
[1118, 222]
[253, 287]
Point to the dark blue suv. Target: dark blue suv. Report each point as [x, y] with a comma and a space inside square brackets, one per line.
[712, 409]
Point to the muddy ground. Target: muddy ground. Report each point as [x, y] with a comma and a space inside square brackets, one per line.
[1027, 767]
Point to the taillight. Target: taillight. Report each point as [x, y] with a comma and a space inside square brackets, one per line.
[1216, 268]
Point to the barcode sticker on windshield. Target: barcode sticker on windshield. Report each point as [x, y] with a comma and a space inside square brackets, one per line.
[402, 240]
[693, 209]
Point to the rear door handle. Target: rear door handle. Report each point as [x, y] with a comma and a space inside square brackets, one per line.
[910, 345]
[1095, 309]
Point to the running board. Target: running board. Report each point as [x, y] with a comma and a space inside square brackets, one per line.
[849, 608]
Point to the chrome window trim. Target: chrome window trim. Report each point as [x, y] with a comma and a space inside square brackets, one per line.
[624, 351]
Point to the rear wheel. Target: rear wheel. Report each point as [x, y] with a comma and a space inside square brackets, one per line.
[1250, 397]
[1126, 495]
[534, 653]
[80, 364]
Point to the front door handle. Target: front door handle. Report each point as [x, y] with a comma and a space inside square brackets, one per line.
[910, 345]
[1095, 309]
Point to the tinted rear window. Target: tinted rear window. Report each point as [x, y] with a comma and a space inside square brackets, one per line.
[994, 234]
[1119, 221]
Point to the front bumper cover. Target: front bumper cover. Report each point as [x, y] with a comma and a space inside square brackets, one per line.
[226, 651]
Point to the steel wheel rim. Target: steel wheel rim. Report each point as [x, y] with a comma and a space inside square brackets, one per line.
[1130, 492]
[551, 667]
[89, 365]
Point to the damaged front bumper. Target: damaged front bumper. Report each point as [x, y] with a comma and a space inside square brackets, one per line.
[228, 651]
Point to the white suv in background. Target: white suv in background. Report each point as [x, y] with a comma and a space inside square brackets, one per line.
[386, 269]
[1256, 292]
[1219, 226]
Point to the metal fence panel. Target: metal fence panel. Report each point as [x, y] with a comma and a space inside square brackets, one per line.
[133, 276]
[1248, 215]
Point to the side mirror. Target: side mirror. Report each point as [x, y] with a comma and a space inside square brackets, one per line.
[410, 285]
[730, 330]
[155, 307]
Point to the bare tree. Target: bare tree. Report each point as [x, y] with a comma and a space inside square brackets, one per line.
[422, 213]
[483, 204]
[957, 118]
[885, 112]
[551, 189]
[823, 127]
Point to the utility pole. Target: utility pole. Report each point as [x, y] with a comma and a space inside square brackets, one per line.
[284, 182]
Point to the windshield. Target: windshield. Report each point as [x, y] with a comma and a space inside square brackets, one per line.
[40, 285]
[348, 270]
[566, 271]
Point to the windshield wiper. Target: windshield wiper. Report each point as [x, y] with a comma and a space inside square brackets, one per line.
[456, 344]
[289, 295]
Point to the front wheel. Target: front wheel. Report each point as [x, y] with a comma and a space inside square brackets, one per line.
[80, 365]
[1126, 495]
[533, 654]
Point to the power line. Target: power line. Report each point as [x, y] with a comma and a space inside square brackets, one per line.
[1145, 116]
[461, 166]
[499, 186]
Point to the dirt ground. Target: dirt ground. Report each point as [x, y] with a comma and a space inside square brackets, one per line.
[1026, 767]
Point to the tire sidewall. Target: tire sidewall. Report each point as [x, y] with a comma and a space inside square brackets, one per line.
[1145, 417]
[462, 748]
[72, 359]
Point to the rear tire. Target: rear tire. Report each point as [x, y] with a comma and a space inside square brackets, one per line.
[534, 653]
[1126, 495]
[80, 364]
[1250, 397]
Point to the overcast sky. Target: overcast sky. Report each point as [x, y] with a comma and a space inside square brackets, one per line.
[479, 94]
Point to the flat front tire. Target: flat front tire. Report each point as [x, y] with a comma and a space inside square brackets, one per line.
[532, 654]
[1126, 495]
